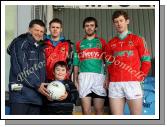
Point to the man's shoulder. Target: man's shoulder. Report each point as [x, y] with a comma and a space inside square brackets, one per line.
[22, 37]
[19, 41]
[78, 42]
[67, 41]
[22, 41]
[102, 40]
[112, 40]
[135, 36]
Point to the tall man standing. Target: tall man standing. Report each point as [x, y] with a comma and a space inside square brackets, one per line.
[129, 63]
[56, 47]
[88, 62]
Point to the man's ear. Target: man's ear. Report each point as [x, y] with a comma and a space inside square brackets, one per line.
[95, 29]
[128, 21]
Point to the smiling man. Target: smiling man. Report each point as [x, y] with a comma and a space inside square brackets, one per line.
[26, 52]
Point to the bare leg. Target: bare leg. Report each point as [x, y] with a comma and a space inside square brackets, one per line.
[117, 106]
[135, 106]
[98, 106]
[86, 105]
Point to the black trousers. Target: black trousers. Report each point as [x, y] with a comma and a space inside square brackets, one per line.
[24, 109]
[57, 110]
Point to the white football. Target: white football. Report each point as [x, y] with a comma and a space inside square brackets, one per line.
[56, 89]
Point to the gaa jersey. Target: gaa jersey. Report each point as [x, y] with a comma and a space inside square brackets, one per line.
[54, 54]
[128, 58]
[89, 55]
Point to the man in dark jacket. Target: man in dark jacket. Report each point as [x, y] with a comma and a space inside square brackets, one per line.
[27, 72]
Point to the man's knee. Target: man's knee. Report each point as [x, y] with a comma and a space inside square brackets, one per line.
[86, 111]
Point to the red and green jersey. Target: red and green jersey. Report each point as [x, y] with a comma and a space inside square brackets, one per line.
[89, 55]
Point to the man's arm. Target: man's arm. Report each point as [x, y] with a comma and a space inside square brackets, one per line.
[25, 73]
[104, 48]
[106, 82]
[76, 68]
[76, 82]
[145, 57]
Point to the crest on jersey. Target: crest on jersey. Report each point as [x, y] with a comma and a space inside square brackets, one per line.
[98, 45]
[131, 43]
[62, 49]
[113, 45]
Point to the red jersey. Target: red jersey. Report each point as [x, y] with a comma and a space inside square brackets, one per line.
[54, 54]
[128, 59]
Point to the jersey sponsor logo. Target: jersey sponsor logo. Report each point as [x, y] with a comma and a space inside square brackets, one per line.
[126, 53]
[94, 53]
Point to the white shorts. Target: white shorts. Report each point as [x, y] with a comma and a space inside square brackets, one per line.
[91, 82]
[129, 90]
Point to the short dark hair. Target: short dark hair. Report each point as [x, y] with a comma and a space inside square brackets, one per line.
[36, 21]
[89, 19]
[60, 63]
[55, 20]
[118, 13]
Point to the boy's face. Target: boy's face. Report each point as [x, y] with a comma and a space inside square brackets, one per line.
[90, 28]
[37, 32]
[55, 29]
[60, 73]
[121, 24]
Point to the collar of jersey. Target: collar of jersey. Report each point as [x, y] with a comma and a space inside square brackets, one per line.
[123, 35]
[85, 37]
[55, 43]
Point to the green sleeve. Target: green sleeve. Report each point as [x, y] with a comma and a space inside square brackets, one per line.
[75, 59]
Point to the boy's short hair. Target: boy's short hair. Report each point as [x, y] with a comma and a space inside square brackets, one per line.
[61, 64]
[89, 19]
[55, 20]
[118, 13]
[36, 21]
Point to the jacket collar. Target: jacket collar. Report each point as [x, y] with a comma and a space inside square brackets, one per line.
[55, 43]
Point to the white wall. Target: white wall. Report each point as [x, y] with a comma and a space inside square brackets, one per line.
[17, 18]
[23, 18]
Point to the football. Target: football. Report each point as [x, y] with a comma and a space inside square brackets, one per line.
[56, 89]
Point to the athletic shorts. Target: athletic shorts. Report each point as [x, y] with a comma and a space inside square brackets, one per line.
[91, 82]
[93, 95]
[129, 90]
